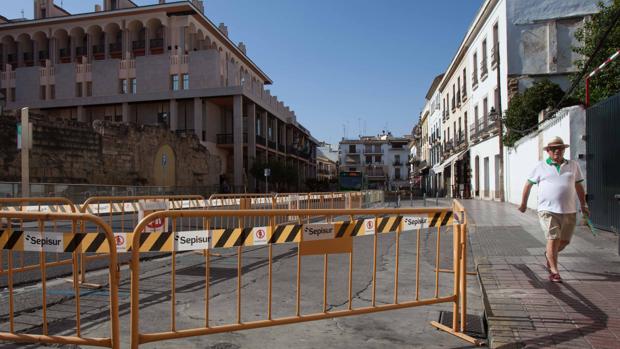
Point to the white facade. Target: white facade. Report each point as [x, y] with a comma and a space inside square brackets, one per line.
[534, 40]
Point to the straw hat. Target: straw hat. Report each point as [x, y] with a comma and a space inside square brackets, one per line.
[556, 142]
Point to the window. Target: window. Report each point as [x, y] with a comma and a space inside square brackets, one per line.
[13, 93]
[397, 159]
[368, 159]
[485, 109]
[464, 83]
[122, 86]
[89, 88]
[495, 47]
[476, 118]
[378, 158]
[52, 91]
[474, 75]
[134, 85]
[78, 89]
[397, 173]
[185, 81]
[174, 82]
[351, 148]
[258, 128]
[42, 92]
[483, 61]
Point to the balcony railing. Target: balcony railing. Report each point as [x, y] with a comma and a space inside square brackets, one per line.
[116, 47]
[156, 43]
[272, 144]
[397, 163]
[80, 51]
[260, 140]
[281, 148]
[228, 138]
[28, 58]
[138, 45]
[494, 55]
[375, 173]
[474, 78]
[484, 70]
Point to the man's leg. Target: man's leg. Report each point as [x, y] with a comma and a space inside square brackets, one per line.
[553, 246]
[563, 244]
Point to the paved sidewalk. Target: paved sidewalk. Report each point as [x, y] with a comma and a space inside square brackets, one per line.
[524, 309]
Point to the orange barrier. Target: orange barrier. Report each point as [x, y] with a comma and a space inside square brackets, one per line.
[38, 234]
[310, 239]
[122, 214]
[35, 204]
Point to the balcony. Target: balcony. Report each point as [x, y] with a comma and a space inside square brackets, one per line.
[116, 50]
[474, 79]
[484, 70]
[156, 46]
[138, 47]
[494, 55]
[43, 55]
[80, 51]
[272, 144]
[228, 138]
[281, 148]
[65, 55]
[28, 59]
[397, 163]
[482, 129]
[375, 173]
[98, 52]
[260, 140]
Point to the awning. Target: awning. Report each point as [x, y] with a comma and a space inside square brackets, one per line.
[439, 167]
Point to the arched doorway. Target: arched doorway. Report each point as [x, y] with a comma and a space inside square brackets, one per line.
[164, 166]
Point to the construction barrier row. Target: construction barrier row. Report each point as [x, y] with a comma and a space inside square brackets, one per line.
[173, 232]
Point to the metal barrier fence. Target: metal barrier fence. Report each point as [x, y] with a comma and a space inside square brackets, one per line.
[305, 239]
[37, 233]
[122, 214]
[23, 262]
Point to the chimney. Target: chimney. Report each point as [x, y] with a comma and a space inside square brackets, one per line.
[200, 5]
[223, 28]
[97, 8]
[242, 47]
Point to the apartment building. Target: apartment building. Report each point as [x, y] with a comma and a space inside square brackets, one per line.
[326, 162]
[435, 121]
[382, 160]
[165, 64]
[509, 45]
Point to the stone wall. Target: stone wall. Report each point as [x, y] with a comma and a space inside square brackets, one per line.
[67, 151]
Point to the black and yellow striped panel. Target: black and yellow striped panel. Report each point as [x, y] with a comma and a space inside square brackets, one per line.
[349, 228]
[388, 224]
[12, 240]
[155, 242]
[286, 233]
[221, 238]
[440, 219]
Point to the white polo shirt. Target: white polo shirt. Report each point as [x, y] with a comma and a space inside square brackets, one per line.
[556, 185]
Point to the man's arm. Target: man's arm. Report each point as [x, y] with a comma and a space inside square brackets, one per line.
[581, 194]
[525, 195]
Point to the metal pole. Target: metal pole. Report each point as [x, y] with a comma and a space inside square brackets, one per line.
[437, 198]
[424, 199]
[25, 153]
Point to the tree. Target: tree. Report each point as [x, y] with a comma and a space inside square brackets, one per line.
[606, 82]
[522, 113]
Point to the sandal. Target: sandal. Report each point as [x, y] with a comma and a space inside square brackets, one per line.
[555, 278]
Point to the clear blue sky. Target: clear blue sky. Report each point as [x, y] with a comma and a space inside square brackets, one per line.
[359, 63]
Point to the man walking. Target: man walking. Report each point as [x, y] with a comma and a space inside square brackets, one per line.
[559, 185]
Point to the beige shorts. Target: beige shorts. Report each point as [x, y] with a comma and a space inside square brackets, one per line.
[557, 225]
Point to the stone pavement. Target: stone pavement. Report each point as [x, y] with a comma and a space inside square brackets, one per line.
[523, 308]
